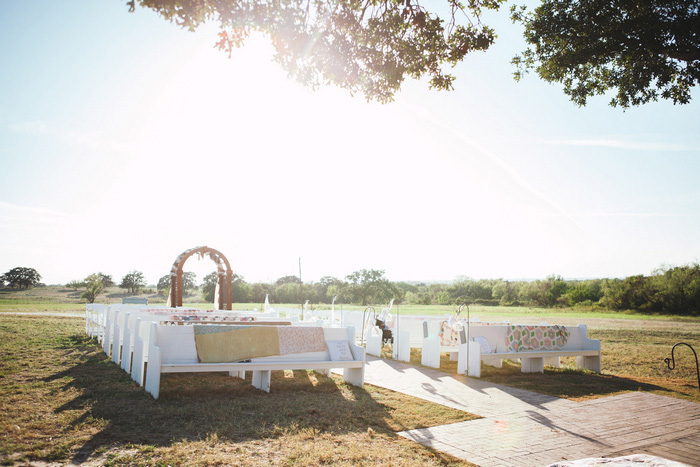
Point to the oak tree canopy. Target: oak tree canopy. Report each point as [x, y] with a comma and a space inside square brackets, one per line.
[640, 50]
[364, 46]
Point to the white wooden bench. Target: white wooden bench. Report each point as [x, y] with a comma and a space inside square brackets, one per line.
[489, 344]
[122, 329]
[133, 333]
[95, 316]
[136, 335]
[401, 347]
[172, 350]
[433, 343]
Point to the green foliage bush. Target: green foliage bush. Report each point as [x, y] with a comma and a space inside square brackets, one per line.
[586, 291]
[75, 285]
[670, 290]
[481, 301]
[21, 278]
[133, 281]
[208, 287]
[93, 287]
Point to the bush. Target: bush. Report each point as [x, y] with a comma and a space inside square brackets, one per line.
[75, 285]
[672, 290]
[484, 302]
[93, 287]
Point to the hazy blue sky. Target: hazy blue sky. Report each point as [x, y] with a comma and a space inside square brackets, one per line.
[125, 141]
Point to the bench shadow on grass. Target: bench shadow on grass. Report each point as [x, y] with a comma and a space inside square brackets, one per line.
[196, 406]
[569, 383]
[566, 382]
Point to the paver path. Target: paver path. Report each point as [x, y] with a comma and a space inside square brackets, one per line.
[522, 428]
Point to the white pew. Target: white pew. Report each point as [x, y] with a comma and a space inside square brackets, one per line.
[374, 341]
[135, 337]
[430, 350]
[402, 346]
[491, 344]
[172, 350]
[95, 314]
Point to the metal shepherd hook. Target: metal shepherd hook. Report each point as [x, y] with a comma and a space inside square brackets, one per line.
[671, 362]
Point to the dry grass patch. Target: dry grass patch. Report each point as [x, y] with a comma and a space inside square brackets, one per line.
[62, 400]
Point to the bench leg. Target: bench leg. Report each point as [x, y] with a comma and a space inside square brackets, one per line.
[261, 379]
[116, 346]
[553, 361]
[237, 374]
[116, 354]
[430, 352]
[473, 366]
[107, 342]
[532, 365]
[374, 343]
[138, 362]
[589, 363]
[402, 347]
[354, 376]
[126, 351]
[153, 373]
[494, 362]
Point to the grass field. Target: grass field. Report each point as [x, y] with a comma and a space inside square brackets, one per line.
[62, 400]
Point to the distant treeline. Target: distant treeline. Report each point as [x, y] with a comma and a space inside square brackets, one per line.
[674, 290]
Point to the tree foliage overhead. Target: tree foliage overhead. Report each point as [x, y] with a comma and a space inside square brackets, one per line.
[641, 50]
[365, 46]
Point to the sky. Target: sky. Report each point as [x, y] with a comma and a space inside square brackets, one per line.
[125, 140]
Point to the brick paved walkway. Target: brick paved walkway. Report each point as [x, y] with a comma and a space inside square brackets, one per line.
[522, 428]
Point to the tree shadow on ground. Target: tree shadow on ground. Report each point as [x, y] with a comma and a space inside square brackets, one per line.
[569, 383]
